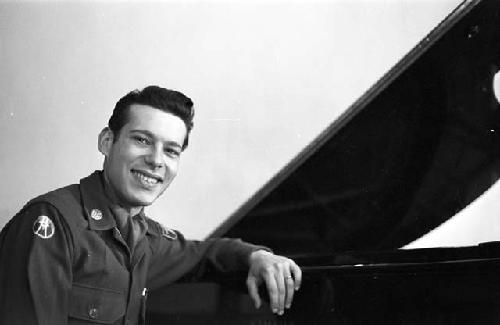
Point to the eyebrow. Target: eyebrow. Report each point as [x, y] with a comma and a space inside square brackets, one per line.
[151, 135]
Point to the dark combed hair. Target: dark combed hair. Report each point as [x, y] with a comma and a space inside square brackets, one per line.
[167, 100]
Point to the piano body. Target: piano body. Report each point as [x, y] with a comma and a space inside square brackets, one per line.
[414, 150]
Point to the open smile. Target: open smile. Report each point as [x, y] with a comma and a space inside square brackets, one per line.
[147, 179]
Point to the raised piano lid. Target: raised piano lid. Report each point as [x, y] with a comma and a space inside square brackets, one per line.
[415, 149]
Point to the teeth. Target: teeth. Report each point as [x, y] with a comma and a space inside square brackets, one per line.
[146, 179]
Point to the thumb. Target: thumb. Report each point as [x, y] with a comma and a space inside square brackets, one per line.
[253, 290]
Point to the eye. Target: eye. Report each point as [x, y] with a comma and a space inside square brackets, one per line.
[141, 140]
[172, 152]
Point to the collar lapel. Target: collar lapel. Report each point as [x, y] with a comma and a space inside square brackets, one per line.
[95, 204]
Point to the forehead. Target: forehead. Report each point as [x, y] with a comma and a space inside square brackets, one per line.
[163, 125]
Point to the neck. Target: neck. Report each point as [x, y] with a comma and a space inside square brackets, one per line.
[115, 200]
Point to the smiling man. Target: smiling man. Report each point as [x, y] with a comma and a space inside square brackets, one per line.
[87, 253]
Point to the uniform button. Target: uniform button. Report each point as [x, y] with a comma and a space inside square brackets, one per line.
[93, 313]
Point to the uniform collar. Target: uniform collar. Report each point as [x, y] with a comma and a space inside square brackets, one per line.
[99, 209]
[153, 227]
[96, 205]
[157, 229]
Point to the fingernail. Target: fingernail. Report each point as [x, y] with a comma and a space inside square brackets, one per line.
[287, 306]
[275, 310]
[280, 313]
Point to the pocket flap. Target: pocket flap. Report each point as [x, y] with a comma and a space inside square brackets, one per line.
[98, 305]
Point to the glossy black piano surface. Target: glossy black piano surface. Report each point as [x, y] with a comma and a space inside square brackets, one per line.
[424, 286]
[414, 150]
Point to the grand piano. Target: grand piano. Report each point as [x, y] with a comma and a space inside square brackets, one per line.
[417, 148]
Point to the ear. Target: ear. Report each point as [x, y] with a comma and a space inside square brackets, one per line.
[105, 141]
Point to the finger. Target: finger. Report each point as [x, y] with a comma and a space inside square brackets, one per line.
[290, 289]
[297, 275]
[253, 291]
[272, 290]
[280, 282]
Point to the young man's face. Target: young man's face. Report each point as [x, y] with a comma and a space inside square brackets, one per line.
[143, 160]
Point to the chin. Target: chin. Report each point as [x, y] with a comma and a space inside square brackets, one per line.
[141, 200]
[141, 197]
[145, 202]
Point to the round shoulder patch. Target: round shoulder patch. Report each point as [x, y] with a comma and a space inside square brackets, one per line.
[43, 227]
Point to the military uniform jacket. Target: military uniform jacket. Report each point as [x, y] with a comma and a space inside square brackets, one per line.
[63, 261]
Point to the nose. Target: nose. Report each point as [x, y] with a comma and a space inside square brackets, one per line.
[155, 157]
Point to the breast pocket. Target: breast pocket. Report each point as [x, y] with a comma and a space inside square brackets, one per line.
[96, 305]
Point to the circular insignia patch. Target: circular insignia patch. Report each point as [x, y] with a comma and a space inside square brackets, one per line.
[168, 233]
[43, 227]
[96, 214]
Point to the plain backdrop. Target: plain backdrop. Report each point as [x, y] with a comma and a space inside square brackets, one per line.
[266, 78]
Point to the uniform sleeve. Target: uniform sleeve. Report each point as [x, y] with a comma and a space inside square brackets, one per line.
[174, 258]
[35, 268]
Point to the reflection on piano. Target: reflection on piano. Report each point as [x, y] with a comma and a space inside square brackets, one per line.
[414, 150]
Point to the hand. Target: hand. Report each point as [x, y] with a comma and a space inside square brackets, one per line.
[281, 275]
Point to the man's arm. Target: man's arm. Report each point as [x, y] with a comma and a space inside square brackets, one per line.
[174, 257]
[35, 268]
[281, 275]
